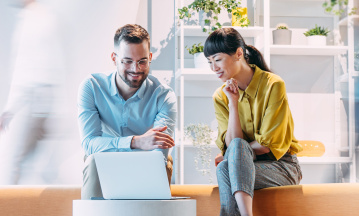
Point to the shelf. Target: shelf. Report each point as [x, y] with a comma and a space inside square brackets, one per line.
[245, 31]
[307, 50]
[345, 77]
[197, 74]
[344, 22]
[324, 160]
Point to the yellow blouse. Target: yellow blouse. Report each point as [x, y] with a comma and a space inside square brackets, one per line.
[263, 112]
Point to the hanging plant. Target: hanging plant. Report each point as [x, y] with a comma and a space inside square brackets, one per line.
[336, 7]
[201, 137]
[212, 9]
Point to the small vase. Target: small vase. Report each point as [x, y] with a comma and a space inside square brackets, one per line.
[317, 40]
[282, 36]
[311, 148]
[200, 61]
[236, 19]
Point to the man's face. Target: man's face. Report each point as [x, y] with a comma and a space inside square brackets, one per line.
[132, 62]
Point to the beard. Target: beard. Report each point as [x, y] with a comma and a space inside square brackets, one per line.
[133, 83]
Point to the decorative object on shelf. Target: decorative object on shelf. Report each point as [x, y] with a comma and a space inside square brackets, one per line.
[208, 11]
[200, 61]
[311, 148]
[240, 17]
[201, 137]
[317, 36]
[337, 7]
[282, 35]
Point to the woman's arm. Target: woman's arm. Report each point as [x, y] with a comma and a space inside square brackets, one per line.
[258, 148]
[234, 125]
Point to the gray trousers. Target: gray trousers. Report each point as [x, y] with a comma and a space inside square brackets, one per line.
[91, 184]
[238, 172]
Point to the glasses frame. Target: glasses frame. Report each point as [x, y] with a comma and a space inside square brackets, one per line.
[136, 63]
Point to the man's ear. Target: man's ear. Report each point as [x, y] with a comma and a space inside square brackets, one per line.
[150, 56]
[113, 57]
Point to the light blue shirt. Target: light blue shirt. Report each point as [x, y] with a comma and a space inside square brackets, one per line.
[108, 122]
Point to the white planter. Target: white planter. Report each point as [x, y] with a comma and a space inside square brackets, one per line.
[317, 40]
[200, 61]
[282, 36]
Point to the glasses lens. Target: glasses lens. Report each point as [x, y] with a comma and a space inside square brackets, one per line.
[142, 64]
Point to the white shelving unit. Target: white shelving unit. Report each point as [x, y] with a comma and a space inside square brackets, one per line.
[260, 34]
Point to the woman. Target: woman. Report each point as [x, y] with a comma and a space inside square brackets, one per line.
[255, 125]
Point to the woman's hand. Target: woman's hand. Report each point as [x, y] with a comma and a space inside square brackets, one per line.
[218, 159]
[231, 90]
[258, 148]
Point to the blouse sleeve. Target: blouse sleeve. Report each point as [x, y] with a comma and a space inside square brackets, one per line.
[222, 114]
[276, 131]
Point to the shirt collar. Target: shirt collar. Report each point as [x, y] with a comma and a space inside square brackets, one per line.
[253, 86]
[141, 91]
[113, 87]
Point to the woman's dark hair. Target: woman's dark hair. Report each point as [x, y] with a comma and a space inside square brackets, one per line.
[228, 40]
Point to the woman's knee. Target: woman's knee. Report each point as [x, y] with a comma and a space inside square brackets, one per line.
[237, 143]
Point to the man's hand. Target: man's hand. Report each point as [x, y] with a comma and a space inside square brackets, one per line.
[153, 139]
[218, 159]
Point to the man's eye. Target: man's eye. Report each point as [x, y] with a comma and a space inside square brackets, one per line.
[217, 60]
[127, 61]
[143, 62]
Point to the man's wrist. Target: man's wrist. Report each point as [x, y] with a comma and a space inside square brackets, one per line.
[133, 142]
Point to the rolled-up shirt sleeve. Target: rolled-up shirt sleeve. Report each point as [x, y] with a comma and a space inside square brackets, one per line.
[92, 137]
[276, 131]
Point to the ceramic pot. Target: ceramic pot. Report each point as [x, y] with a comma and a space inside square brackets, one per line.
[200, 61]
[316, 40]
[282, 37]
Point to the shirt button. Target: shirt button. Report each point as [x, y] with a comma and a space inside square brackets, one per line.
[249, 120]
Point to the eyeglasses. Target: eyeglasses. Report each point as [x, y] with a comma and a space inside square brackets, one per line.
[141, 64]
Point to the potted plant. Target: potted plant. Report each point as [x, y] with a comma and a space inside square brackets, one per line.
[208, 11]
[317, 36]
[282, 35]
[200, 61]
[201, 137]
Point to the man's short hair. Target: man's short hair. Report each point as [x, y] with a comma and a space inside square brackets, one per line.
[131, 33]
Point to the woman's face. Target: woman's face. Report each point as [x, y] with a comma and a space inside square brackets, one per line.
[225, 66]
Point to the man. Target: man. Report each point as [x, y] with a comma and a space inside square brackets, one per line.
[127, 110]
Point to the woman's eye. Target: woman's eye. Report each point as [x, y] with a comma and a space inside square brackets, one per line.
[217, 60]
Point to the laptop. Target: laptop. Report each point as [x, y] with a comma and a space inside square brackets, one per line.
[133, 175]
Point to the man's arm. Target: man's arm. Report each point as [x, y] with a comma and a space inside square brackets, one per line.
[92, 136]
[92, 139]
[166, 117]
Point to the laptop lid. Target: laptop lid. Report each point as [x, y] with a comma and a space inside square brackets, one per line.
[132, 175]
